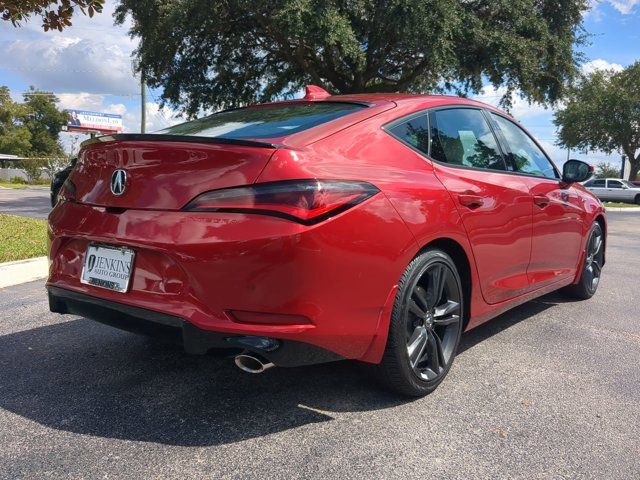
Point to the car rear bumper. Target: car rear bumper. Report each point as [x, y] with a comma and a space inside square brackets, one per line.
[287, 353]
[324, 286]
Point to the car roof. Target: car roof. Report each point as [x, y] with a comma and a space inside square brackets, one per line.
[400, 99]
[401, 104]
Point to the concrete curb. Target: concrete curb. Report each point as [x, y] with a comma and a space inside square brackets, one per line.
[23, 271]
[618, 209]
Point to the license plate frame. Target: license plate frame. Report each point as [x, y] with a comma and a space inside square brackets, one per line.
[108, 278]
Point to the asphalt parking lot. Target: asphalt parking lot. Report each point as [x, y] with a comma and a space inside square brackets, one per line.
[28, 202]
[548, 390]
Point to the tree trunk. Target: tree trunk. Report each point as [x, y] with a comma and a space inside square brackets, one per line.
[635, 169]
[634, 163]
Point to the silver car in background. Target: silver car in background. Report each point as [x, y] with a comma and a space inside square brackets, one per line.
[614, 190]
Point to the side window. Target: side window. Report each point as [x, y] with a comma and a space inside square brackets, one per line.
[462, 136]
[414, 132]
[525, 154]
[595, 184]
[614, 184]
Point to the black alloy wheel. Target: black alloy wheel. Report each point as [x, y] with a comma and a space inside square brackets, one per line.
[593, 259]
[592, 268]
[432, 317]
[426, 325]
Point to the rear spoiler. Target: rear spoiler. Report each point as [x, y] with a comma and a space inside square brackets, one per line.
[152, 137]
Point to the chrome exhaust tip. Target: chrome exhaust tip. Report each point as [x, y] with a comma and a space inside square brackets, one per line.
[251, 364]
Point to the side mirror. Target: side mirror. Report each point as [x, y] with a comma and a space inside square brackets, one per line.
[576, 171]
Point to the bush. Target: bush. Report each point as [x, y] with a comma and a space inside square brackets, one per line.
[33, 168]
[606, 170]
[42, 181]
[19, 180]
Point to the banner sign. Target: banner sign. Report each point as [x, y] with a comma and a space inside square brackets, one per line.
[84, 121]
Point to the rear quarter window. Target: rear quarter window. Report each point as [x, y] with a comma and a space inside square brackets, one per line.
[595, 183]
[269, 121]
[413, 132]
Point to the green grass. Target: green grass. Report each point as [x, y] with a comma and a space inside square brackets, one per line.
[22, 238]
[619, 204]
[16, 186]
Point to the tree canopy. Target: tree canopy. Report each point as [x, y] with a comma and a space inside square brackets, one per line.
[55, 14]
[15, 138]
[44, 121]
[605, 170]
[602, 112]
[224, 54]
[31, 128]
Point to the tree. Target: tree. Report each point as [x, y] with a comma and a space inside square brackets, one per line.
[32, 129]
[33, 168]
[224, 54]
[15, 137]
[55, 14]
[45, 122]
[602, 112]
[605, 170]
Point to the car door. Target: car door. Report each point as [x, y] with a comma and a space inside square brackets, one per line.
[495, 206]
[558, 209]
[616, 191]
[597, 186]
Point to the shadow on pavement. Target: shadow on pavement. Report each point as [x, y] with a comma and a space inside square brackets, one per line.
[509, 319]
[83, 377]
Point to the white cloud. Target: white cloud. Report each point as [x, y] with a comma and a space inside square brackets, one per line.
[116, 108]
[625, 7]
[157, 118]
[520, 109]
[600, 64]
[92, 55]
[81, 101]
[71, 64]
[593, 11]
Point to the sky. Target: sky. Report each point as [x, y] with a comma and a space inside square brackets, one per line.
[88, 66]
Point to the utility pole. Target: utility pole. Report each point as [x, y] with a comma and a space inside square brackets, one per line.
[143, 107]
[622, 169]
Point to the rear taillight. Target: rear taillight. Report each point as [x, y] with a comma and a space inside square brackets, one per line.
[68, 191]
[306, 201]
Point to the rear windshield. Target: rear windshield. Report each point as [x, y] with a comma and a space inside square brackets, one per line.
[264, 122]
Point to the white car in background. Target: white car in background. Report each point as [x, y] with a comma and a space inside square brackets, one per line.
[614, 190]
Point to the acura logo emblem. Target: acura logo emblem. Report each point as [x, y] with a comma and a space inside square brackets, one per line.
[118, 182]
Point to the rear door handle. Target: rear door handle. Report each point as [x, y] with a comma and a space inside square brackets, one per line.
[470, 201]
[541, 200]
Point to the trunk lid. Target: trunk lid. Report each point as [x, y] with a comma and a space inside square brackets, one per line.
[163, 172]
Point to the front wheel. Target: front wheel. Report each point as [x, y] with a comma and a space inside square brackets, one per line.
[425, 328]
[592, 267]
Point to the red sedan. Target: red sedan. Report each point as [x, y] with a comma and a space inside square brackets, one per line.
[369, 227]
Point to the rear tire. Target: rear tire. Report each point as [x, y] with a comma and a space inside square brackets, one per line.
[425, 328]
[592, 267]
[637, 199]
